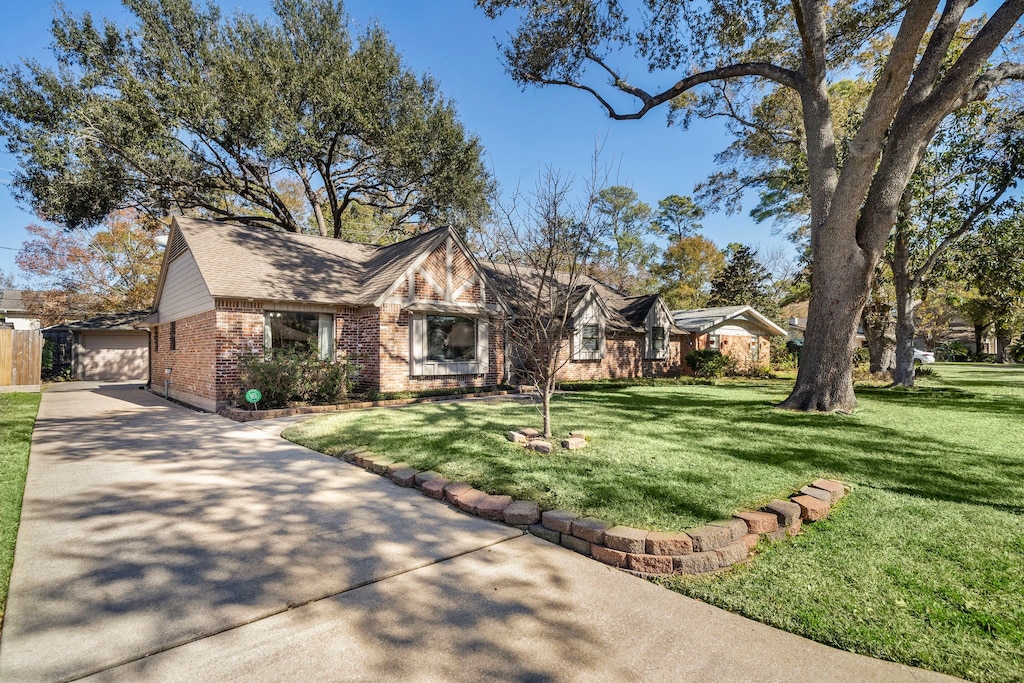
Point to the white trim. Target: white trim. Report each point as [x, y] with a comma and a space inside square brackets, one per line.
[421, 366]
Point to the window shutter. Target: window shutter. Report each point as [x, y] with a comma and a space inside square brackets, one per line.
[417, 344]
[482, 335]
[325, 335]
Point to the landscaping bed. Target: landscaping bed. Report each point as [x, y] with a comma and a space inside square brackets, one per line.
[924, 563]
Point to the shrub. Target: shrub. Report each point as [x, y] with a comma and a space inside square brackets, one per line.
[709, 363]
[924, 371]
[952, 350]
[297, 376]
[1017, 350]
[861, 356]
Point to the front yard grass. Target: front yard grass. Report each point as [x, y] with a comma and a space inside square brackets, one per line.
[922, 564]
[17, 418]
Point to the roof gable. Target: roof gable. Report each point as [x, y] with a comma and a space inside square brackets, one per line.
[704, 320]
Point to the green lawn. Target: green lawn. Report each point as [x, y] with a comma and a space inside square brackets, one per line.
[17, 417]
[923, 563]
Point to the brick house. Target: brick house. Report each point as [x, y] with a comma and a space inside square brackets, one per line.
[739, 332]
[415, 315]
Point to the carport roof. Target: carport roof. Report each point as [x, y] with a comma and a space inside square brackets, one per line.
[108, 321]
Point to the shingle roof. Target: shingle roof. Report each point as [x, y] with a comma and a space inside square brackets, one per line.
[258, 263]
[12, 300]
[108, 321]
[625, 314]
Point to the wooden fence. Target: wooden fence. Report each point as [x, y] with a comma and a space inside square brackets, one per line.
[21, 359]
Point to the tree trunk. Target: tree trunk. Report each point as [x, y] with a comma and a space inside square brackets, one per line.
[824, 381]
[903, 375]
[880, 331]
[906, 288]
[548, 390]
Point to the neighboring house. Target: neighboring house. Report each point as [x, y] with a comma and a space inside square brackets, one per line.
[961, 330]
[415, 315]
[739, 332]
[13, 310]
[110, 347]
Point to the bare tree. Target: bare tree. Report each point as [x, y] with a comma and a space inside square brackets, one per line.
[539, 249]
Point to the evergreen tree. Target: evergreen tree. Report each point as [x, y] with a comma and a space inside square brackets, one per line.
[744, 282]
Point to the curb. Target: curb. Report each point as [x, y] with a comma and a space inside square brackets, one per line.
[715, 546]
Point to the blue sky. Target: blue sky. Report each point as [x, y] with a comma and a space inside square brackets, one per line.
[522, 131]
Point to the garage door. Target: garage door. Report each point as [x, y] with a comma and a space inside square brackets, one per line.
[113, 356]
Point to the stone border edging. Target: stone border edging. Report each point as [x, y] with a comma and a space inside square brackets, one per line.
[716, 545]
[242, 415]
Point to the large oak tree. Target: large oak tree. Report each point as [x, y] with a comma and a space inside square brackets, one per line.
[802, 46]
[291, 122]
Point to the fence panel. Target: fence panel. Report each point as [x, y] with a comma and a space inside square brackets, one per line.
[21, 358]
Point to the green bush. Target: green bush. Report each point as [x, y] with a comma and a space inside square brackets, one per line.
[924, 371]
[1017, 350]
[296, 376]
[952, 350]
[861, 356]
[709, 363]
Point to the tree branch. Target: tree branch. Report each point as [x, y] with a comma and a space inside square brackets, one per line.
[781, 75]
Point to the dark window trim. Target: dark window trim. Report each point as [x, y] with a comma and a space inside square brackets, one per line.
[174, 336]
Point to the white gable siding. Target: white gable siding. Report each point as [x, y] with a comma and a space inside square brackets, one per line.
[656, 317]
[185, 292]
[591, 315]
[735, 330]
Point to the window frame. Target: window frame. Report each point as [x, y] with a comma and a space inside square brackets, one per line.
[174, 335]
[454, 318]
[324, 333]
[420, 363]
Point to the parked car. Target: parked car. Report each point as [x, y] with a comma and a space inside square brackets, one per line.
[923, 357]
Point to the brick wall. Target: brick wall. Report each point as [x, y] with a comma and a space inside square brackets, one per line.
[239, 334]
[624, 358]
[738, 348]
[192, 362]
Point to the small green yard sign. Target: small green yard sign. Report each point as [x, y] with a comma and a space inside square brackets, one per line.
[253, 395]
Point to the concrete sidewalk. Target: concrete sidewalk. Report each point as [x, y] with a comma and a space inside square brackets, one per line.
[158, 543]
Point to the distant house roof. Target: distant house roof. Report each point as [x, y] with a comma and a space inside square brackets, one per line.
[244, 262]
[107, 321]
[704, 320]
[12, 301]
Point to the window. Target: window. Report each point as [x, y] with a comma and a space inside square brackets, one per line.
[712, 341]
[590, 338]
[156, 338]
[451, 338]
[658, 336]
[174, 336]
[289, 330]
[442, 345]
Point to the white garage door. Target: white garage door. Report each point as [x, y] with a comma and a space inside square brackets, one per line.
[113, 356]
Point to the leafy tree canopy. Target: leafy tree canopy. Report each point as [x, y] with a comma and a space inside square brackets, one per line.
[91, 271]
[624, 257]
[725, 57]
[289, 122]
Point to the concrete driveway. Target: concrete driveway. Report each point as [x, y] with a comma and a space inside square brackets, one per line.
[158, 543]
